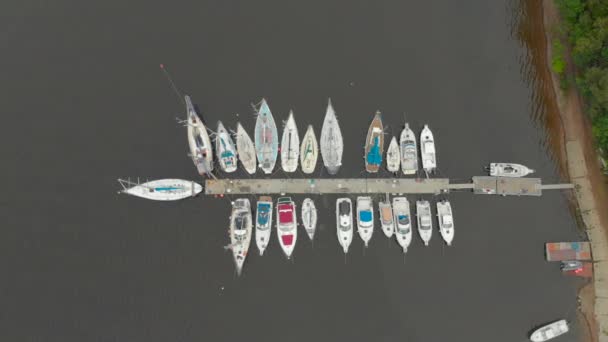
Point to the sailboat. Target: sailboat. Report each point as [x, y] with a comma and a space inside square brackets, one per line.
[266, 138]
[225, 150]
[427, 150]
[393, 158]
[245, 149]
[409, 151]
[201, 149]
[309, 152]
[263, 223]
[161, 189]
[290, 145]
[240, 231]
[374, 145]
[332, 145]
[309, 217]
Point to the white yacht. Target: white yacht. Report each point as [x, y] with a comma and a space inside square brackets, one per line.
[263, 223]
[550, 331]
[309, 217]
[161, 189]
[386, 217]
[290, 145]
[425, 221]
[446, 221]
[245, 149]
[309, 152]
[287, 225]
[331, 142]
[240, 231]
[201, 149]
[403, 223]
[409, 151]
[344, 222]
[427, 150]
[365, 218]
[393, 159]
[225, 150]
[509, 170]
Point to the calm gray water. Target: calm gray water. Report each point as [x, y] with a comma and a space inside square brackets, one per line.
[84, 102]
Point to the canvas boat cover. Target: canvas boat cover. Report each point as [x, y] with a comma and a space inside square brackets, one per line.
[365, 215]
[287, 239]
[374, 157]
[285, 213]
[263, 211]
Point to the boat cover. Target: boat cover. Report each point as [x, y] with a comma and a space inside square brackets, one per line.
[287, 239]
[263, 210]
[285, 213]
[365, 215]
[374, 157]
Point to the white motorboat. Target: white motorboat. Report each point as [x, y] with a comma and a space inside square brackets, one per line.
[201, 149]
[403, 223]
[331, 141]
[309, 217]
[161, 189]
[365, 218]
[225, 150]
[393, 159]
[427, 150]
[309, 152]
[263, 223]
[266, 138]
[287, 225]
[387, 221]
[240, 231]
[290, 145]
[245, 149]
[550, 331]
[446, 221]
[409, 151]
[509, 170]
[425, 221]
[344, 222]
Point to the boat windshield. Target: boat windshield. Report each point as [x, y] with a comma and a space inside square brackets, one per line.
[425, 222]
[403, 220]
[429, 147]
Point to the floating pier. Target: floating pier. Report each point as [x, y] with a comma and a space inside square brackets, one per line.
[480, 185]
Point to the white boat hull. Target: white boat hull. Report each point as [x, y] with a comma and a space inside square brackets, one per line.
[409, 151]
[263, 223]
[550, 331]
[365, 228]
[309, 152]
[427, 150]
[309, 217]
[509, 170]
[344, 224]
[425, 221]
[403, 223]
[386, 223]
[287, 233]
[266, 138]
[245, 149]
[393, 158]
[290, 145]
[225, 149]
[331, 141]
[240, 239]
[446, 221]
[163, 189]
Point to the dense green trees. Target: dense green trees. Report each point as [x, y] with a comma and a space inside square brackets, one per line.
[586, 29]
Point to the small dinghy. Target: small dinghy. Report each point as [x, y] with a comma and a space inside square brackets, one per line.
[403, 224]
[263, 223]
[393, 159]
[386, 217]
[240, 231]
[309, 217]
[290, 145]
[225, 150]
[446, 221]
[427, 150]
[309, 152]
[331, 141]
[161, 189]
[425, 221]
[509, 170]
[266, 138]
[245, 149]
[287, 225]
[374, 145]
[365, 219]
[550, 331]
[201, 149]
[409, 151]
[344, 222]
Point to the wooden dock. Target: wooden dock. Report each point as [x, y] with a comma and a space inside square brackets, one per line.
[479, 185]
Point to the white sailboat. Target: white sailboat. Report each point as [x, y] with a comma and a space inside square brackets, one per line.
[365, 218]
[309, 217]
[344, 222]
[427, 150]
[266, 138]
[446, 221]
[331, 142]
[387, 221]
[425, 221]
[409, 151]
[263, 223]
[161, 189]
[201, 149]
[225, 150]
[290, 145]
[403, 223]
[309, 152]
[287, 231]
[240, 231]
[245, 149]
[509, 170]
[393, 158]
[550, 331]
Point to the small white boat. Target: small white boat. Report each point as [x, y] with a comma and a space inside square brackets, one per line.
[446, 221]
[161, 189]
[550, 331]
[409, 151]
[344, 222]
[201, 149]
[365, 218]
[309, 217]
[263, 223]
[240, 231]
[245, 149]
[287, 225]
[331, 142]
[309, 152]
[387, 221]
[427, 150]
[403, 223]
[290, 145]
[393, 159]
[509, 170]
[425, 221]
[225, 150]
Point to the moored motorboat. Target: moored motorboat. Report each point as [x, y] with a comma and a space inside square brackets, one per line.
[409, 151]
[365, 218]
[403, 223]
[425, 221]
[245, 149]
[393, 158]
[225, 150]
[344, 222]
[161, 189]
[266, 138]
[550, 331]
[387, 221]
[263, 223]
[331, 141]
[509, 170]
[287, 231]
[309, 152]
[374, 145]
[309, 217]
[290, 145]
[201, 150]
[240, 231]
[446, 221]
[427, 150]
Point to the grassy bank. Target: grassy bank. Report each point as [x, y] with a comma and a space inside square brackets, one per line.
[584, 43]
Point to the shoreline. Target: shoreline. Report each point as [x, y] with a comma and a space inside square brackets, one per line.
[581, 165]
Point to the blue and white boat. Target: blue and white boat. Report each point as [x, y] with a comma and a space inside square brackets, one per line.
[374, 145]
[225, 149]
[266, 138]
[161, 189]
[365, 219]
[263, 223]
